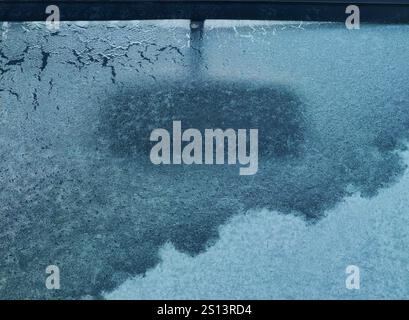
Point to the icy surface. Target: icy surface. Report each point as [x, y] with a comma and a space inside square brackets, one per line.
[267, 255]
[77, 189]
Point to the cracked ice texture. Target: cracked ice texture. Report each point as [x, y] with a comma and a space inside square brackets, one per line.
[77, 188]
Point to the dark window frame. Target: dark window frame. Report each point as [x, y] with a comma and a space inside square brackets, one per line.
[380, 11]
